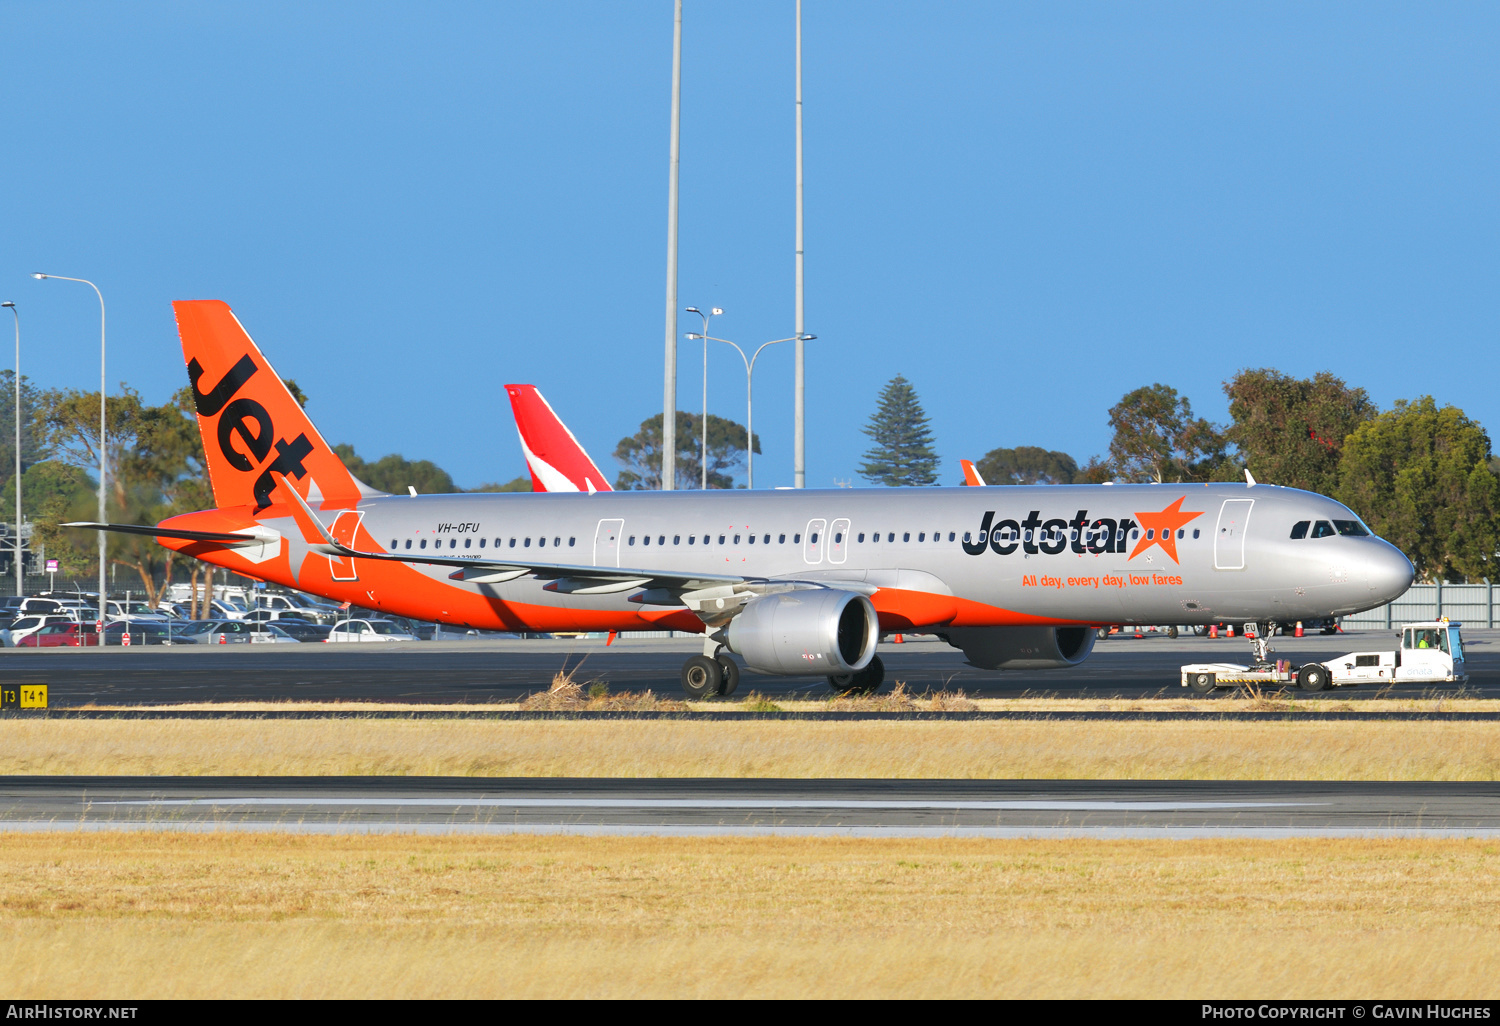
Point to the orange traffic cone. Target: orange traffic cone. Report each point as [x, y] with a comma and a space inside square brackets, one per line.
[1213, 630]
[897, 639]
[1229, 630]
[1298, 632]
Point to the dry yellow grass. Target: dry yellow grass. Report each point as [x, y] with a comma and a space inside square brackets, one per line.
[1431, 700]
[239, 915]
[1034, 749]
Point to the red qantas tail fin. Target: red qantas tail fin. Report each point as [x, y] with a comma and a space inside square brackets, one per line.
[557, 462]
[252, 427]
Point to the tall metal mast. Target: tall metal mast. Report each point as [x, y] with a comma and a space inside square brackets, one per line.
[799, 463]
[669, 400]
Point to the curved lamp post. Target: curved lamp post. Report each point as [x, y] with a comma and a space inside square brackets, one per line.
[20, 589]
[703, 427]
[749, 401]
[103, 592]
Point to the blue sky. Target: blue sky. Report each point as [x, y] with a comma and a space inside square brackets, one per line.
[1027, 209]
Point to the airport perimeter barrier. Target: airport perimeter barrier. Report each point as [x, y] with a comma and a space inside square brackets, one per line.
[1470, 604]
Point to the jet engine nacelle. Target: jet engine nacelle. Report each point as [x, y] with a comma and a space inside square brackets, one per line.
[1023, 648]
[813, 631]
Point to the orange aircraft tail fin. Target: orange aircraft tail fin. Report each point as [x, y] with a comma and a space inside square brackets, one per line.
[972, 477]
[252, 426]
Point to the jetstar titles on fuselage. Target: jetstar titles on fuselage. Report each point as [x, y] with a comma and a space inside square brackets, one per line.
[1103, 535]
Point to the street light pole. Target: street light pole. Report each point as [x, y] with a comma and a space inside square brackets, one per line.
[703, 424]
[103, 580]
[749, 400]
[20, 589]
[669, 403]
[799, 428]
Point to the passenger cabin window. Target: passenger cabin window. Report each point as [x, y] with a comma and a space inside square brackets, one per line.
[1323, 529]
[424, 543]
[1195, 532]
[661, 539]
[950, 535]
[676, 540]
[906, 536]
[781, 539]
[721, 539]
[766, 540]
[1299, 529]
[861, 536]
[838, 538]
[572, 542]
[453, 543]
[644, 541]
[408, 543]
[512, 543]
[691, 538]
[481, 542]
[632, 539]
[468, 542]
[527, 542]
[796, 539]
[542, 542]
[814, 538]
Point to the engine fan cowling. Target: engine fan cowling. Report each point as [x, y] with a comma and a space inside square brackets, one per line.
[1023, 648]
[814, 631]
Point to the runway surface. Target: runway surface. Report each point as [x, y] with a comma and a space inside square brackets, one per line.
[872, 808]
[487, 671]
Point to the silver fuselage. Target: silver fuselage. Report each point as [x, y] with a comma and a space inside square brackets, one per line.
[1235, 559]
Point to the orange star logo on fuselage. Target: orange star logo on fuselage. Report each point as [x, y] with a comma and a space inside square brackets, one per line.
[1161, 529]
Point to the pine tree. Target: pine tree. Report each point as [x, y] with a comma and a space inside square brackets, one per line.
[902, 453]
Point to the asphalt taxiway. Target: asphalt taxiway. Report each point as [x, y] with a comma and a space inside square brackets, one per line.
[880, 808]
[507, 670]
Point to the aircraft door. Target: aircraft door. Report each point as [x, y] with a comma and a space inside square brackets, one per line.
[838, 541]
[1229, 538]
[607, 542]
[345, 528]
[812, 541]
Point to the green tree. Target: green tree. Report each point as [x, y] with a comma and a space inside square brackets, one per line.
[1419, 475]
[1027, 465]
[641, 453]
[394, 473]
[1291, 431]
[902, 453]
[1158, 439]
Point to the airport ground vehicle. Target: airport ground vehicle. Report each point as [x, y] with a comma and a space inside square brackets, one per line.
[361, 631]
[1430, 652]
[798, 582]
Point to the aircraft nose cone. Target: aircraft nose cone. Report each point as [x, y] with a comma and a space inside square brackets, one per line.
[1390, 574]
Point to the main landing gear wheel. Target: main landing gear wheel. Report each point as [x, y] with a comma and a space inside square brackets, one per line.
[1312, 677]
[702, 677]
[860, 682]
[1202, 683]
[731, 672]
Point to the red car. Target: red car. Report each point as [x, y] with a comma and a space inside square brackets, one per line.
[55, 635]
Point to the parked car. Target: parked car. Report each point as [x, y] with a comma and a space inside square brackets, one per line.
[238, 632]
[116, 610]
[368, 631]
[24, 626]
[142, 632]
[71, 634]
[304, 631]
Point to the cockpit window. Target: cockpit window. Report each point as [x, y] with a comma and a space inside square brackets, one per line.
[1323, 529]
[1299, 529]
[1351, 528]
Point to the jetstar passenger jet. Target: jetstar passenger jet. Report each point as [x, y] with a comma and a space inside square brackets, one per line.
[793, 582]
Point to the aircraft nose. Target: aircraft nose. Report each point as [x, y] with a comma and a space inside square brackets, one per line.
[1390, 573]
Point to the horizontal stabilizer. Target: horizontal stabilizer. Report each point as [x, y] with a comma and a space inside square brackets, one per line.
[166, 532]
